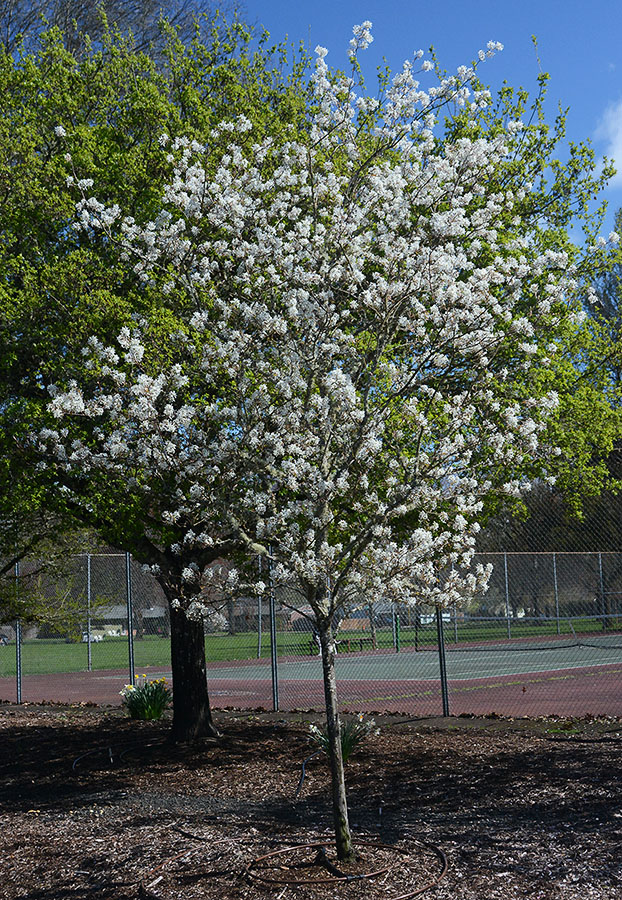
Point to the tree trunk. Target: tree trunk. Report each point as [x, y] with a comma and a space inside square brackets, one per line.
[343, 838]
[167, 621]
[192, 716]
[139, 625]
[231, 616]
[372, 625]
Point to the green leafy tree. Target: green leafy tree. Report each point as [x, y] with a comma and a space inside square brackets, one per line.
[104, 113]
[582, 510]
[23, 21]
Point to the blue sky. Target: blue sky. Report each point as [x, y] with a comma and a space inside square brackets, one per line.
[579, 45]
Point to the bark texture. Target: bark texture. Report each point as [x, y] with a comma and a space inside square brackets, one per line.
[343, 838]
[192, 716]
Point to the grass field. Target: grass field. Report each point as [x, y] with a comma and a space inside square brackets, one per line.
[43, 656]
[47, 656]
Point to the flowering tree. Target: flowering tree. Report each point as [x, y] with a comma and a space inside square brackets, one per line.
[351, 384]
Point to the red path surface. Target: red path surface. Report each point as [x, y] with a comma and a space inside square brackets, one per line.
[569, 692]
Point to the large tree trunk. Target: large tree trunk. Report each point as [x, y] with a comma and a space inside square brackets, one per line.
[343, 838]
[192, 716]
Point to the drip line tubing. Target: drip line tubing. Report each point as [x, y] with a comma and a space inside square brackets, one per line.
[302, 776]
[345, 878]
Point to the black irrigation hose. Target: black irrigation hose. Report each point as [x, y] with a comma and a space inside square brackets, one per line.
[133, 747]
[92, 753]
[108, 750]
[302, 775]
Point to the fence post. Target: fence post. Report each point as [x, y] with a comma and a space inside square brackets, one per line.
[18, 660]
[507, 594]
[18, 644]
[273, 647]
[259, 628]
[602, 590]
[89, 658]
[556, 592]
[442, 660]
[259, 614]
[130, 615]
[396, 629]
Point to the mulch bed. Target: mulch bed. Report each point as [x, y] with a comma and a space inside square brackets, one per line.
[93, 805]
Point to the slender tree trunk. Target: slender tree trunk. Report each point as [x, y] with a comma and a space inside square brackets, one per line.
[192, 716]
[139, 625]
[231, 616]
[343, 838]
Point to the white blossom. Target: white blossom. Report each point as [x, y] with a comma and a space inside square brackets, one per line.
[347, 358]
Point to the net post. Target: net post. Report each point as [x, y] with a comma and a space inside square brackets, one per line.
[442, 661]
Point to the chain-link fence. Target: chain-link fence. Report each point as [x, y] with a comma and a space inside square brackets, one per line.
[546, 638]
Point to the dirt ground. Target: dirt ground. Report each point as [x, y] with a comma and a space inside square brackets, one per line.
[93, 805]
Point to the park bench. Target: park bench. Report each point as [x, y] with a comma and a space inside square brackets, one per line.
[348, 645]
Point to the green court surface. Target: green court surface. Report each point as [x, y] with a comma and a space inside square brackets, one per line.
[422, 666]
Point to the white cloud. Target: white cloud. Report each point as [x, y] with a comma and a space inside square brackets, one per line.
[609, 130]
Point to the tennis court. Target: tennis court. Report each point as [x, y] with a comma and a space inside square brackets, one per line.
[519, 677]
[505, 658]
[545, 638]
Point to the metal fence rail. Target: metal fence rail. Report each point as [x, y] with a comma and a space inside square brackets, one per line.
[545, 638]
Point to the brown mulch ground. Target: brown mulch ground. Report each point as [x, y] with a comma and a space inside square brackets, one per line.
[93, 805]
